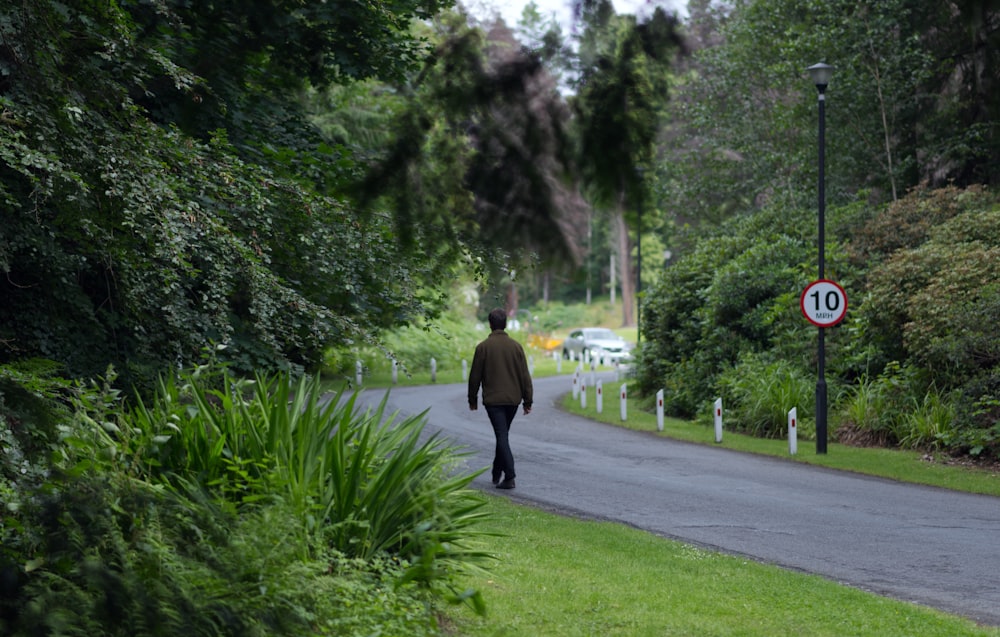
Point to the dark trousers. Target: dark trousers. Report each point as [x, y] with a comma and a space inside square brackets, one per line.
[503, 460]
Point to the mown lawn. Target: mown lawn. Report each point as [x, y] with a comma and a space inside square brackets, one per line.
[562, 577]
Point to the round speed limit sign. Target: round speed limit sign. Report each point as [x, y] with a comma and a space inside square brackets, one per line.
[824, 303]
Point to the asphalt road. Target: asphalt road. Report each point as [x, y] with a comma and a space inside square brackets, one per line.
[920, 544]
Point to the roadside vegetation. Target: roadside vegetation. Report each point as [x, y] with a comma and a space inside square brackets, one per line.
[226, 506]
[913, 366]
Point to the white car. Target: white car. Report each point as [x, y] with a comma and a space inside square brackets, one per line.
[600, 343]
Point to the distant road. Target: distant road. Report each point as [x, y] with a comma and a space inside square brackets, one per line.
[921, 544]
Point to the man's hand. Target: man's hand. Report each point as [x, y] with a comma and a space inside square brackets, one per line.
[473, 406]
[527, 410]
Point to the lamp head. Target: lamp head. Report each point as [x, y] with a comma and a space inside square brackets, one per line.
[820, 74]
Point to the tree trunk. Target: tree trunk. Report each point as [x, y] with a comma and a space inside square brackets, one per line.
[625, 263]
[887, 138]
[512, 300]
[611, 279]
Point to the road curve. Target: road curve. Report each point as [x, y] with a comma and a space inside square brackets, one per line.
[921, 544]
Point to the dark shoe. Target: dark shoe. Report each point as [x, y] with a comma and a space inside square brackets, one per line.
[506, 484]
[496, 479]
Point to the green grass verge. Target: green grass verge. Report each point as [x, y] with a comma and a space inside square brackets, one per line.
[906, 466]
[563, 577]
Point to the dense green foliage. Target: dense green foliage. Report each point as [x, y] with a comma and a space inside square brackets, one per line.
[914, 364]
[911, 100]
[163, 190]
[227, 507]
[729, 297]
[931, 304]
[911, 132]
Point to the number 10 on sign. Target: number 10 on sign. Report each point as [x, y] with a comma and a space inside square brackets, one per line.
[824, 303]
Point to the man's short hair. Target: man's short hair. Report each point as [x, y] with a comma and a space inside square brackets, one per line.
[498, 319]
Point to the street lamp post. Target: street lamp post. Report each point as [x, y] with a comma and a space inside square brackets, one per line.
[821, 74]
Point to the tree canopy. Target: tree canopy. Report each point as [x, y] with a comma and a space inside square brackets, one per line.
[164, 188]
[912, 100]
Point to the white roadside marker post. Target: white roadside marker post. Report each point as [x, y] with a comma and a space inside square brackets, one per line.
[624, 403]
[600, 397]
[793, 435]
[718, 420]
[659, 410]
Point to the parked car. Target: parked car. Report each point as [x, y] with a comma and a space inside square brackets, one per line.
[601, 343]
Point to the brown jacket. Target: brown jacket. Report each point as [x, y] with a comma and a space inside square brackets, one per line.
[500, 366]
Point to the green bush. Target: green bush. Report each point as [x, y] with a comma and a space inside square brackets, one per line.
[921, 279]
[935, 304]
[875, 410]
[735, 294]
[908, 222]
[977, 426]
[759, 394]
[123, 558]
[672, 326]
[930, 424]
[359, 481]
[889, 410]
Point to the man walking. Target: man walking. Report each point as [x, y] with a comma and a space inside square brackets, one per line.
[501, 368]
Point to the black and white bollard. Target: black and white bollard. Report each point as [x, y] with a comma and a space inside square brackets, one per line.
[793, 434]
[718, 420]
[659, 410]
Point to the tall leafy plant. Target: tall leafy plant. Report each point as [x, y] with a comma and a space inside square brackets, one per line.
[759, 394]
[360, 482]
